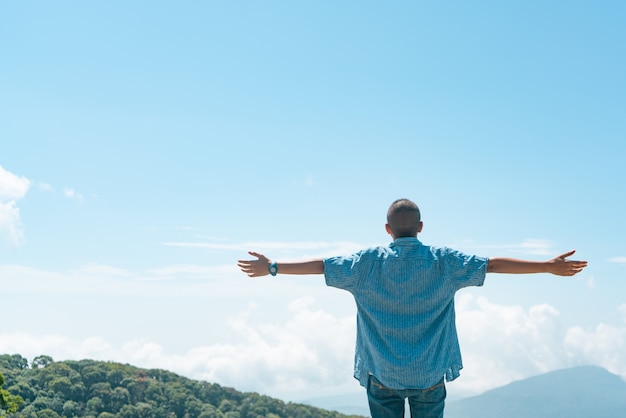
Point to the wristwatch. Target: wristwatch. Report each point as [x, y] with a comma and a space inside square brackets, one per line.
[273, 269]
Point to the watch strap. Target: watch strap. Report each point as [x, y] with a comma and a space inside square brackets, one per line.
[273, 268]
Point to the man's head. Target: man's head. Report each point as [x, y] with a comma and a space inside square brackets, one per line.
[403, 219]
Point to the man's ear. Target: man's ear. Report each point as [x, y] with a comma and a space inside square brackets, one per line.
[420, 226]
[388, 229]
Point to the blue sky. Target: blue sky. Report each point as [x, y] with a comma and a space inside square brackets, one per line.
[146, 146]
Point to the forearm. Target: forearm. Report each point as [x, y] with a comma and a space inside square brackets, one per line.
[516, 266]
[261, 266]
[559, 265]
[303, 267]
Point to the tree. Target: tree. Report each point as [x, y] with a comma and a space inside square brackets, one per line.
[29, 412]
[24, 390]
[8, 403]
[61, 385]
[77, 392]
[116, 376]
[227, 406]
[94, 389]
[102, 390]
[176, 396]
[54, 371]
[53, 402]
[47, 413]
[129, 411]
[93, 374]
[41, 361]
[145, 410]
[193, 407]
[70, 409]
[95, 405]
[14, 361]
[136, 387]
[154, 393]
[119, 397]
[209, 411]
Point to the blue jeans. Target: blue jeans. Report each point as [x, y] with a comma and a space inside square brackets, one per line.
[389, 403]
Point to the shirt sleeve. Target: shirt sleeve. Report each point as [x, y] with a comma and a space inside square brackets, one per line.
[343, 272]
[466, 270]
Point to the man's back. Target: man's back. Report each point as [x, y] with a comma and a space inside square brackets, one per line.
[406, 333]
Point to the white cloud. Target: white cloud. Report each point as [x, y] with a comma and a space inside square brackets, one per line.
[536, 246]
[318, 248]
[10, 223]
[530, 246]
[621, 260]
[308, 181]
[603, 345]
[45, 187]
[311, 350]
[101, 270]
[194, 270]
[72, 194]
[305, 249]
[501, 343]
[92, 279]
[505, 343]
[12, 188]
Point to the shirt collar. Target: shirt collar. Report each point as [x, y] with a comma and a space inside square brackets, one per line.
[406, 241]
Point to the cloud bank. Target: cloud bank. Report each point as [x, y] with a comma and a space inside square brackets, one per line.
[312, 350]
[12, 189]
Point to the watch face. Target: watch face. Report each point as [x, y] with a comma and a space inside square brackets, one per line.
[273, 269]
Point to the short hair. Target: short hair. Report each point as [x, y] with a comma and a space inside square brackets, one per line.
[404, 218]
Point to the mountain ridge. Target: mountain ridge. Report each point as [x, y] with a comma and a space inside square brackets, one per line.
[577, 392]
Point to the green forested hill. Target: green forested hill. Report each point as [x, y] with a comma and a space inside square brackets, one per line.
[97, 389]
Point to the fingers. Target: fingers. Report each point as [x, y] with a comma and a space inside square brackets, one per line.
[248, 263]
[565, 267]
[570, 267]
[254, 268]
[574, 267]
[244, 265]
[247, 266]
[573, 262]
[567, 254]
[250, 271]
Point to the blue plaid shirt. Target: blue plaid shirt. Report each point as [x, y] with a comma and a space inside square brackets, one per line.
[404, 293]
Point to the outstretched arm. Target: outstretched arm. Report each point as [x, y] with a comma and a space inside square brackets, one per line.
[260, 266]
[559, 265]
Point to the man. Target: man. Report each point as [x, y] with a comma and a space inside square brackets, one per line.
[406, 333]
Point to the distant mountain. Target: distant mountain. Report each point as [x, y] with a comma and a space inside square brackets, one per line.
[348, 403]
[579, 392]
